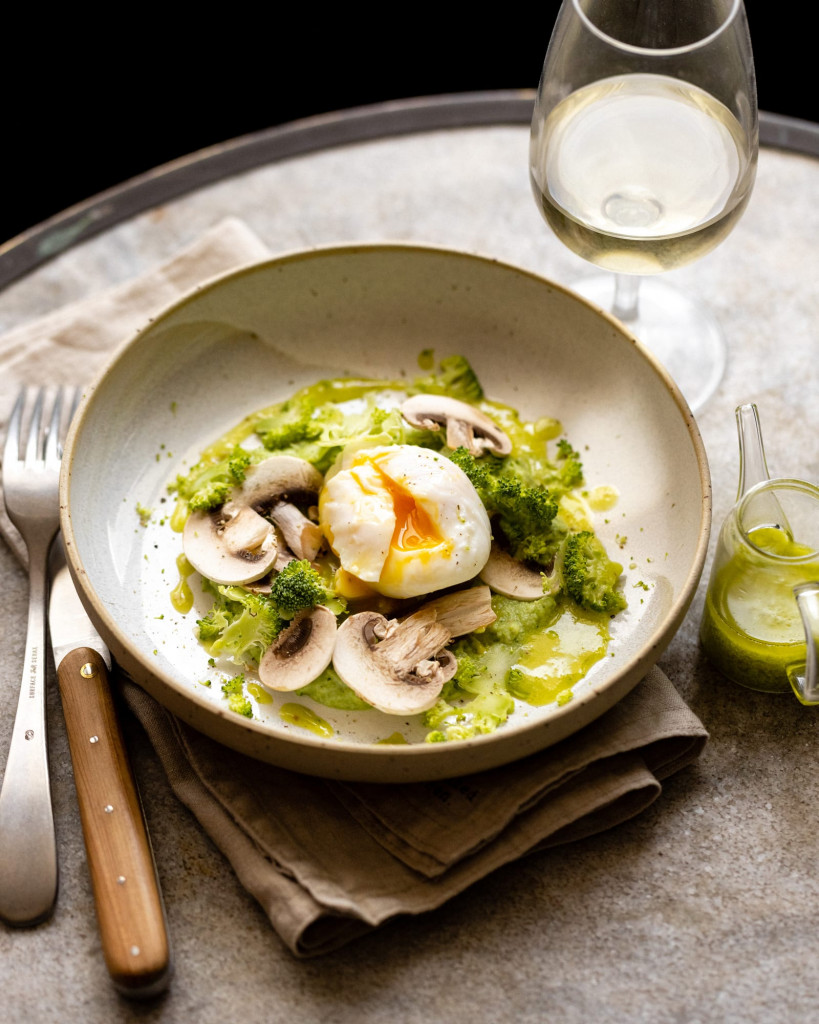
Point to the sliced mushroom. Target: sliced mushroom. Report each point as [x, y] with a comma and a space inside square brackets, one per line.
[279, 478]
[521, 580]
[230, 544]
[462, 611]
[283, 556]
[301, 652]
[236, 543]
[466, 426]
[397, 667]
[264, 584]
[302, 536]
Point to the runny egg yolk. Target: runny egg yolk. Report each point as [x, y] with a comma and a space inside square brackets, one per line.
[414, 527]
[403, 520]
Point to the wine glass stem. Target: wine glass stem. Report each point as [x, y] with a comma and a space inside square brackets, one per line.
[626, 289]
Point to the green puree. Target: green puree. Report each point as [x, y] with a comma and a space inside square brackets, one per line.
[751, 628]
[528, 438]
[534, 652]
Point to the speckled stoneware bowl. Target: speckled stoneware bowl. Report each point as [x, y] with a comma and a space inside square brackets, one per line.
[253, 336]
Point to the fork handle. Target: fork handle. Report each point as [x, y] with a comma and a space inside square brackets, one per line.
[28, 848]
[129, 904]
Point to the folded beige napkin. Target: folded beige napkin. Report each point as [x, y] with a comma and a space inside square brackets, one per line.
[329, 860]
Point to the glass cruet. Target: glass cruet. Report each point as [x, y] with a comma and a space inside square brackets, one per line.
[760, 625]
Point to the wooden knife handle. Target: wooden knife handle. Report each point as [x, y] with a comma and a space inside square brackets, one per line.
[129, 904]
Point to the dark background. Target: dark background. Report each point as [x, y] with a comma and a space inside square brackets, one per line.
[89, 105]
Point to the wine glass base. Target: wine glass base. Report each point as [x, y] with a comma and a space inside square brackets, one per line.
[683, 335]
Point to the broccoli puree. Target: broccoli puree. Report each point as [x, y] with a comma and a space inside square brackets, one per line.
[528, 438]
[552, 660]
[535, 652]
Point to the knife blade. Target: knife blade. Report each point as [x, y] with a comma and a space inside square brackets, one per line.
[127, 896]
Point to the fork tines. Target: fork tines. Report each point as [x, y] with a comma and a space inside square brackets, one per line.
[51, 414]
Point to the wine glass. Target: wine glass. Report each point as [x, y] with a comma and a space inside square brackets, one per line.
[643, 155]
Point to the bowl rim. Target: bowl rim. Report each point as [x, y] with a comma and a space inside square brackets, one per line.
[400, 757]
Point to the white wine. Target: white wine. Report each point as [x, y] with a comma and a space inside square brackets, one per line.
[641, 173]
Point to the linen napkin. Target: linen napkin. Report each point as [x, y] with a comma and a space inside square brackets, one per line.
[328, 860]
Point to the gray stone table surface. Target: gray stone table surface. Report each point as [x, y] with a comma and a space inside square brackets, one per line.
[702, 909]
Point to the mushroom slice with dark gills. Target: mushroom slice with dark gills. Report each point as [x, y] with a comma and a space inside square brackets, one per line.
[301, 652]
[400, 666]
[278, 488]
[236, 543]
[393, 666]
[466, 426]
[231, 544]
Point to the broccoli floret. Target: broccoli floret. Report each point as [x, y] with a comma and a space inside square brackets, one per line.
[455, 377]
[589, 575]
[213, 624]
[209, 486]
[212, 495]
[479, 476]
[233, 689]
[297, 586]
[292, 423]
[283, 435]
[524, 514]
[238, 463]
[240, 624]
[317, 430]
[571, 468]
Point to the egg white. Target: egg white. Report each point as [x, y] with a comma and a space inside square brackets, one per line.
[404, 520]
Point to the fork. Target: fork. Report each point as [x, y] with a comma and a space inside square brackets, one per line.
[28, 849]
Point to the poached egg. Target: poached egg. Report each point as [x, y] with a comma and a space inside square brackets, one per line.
[404, 520]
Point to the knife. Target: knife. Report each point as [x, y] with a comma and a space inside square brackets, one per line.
[128, 900]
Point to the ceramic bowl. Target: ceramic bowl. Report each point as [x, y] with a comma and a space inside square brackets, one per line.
[250, 338]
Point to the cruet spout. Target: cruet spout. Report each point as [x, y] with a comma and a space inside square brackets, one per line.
[753, 470]
[804, 677]
[753, 466]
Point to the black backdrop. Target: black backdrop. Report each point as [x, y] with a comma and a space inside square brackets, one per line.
[88, 104]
